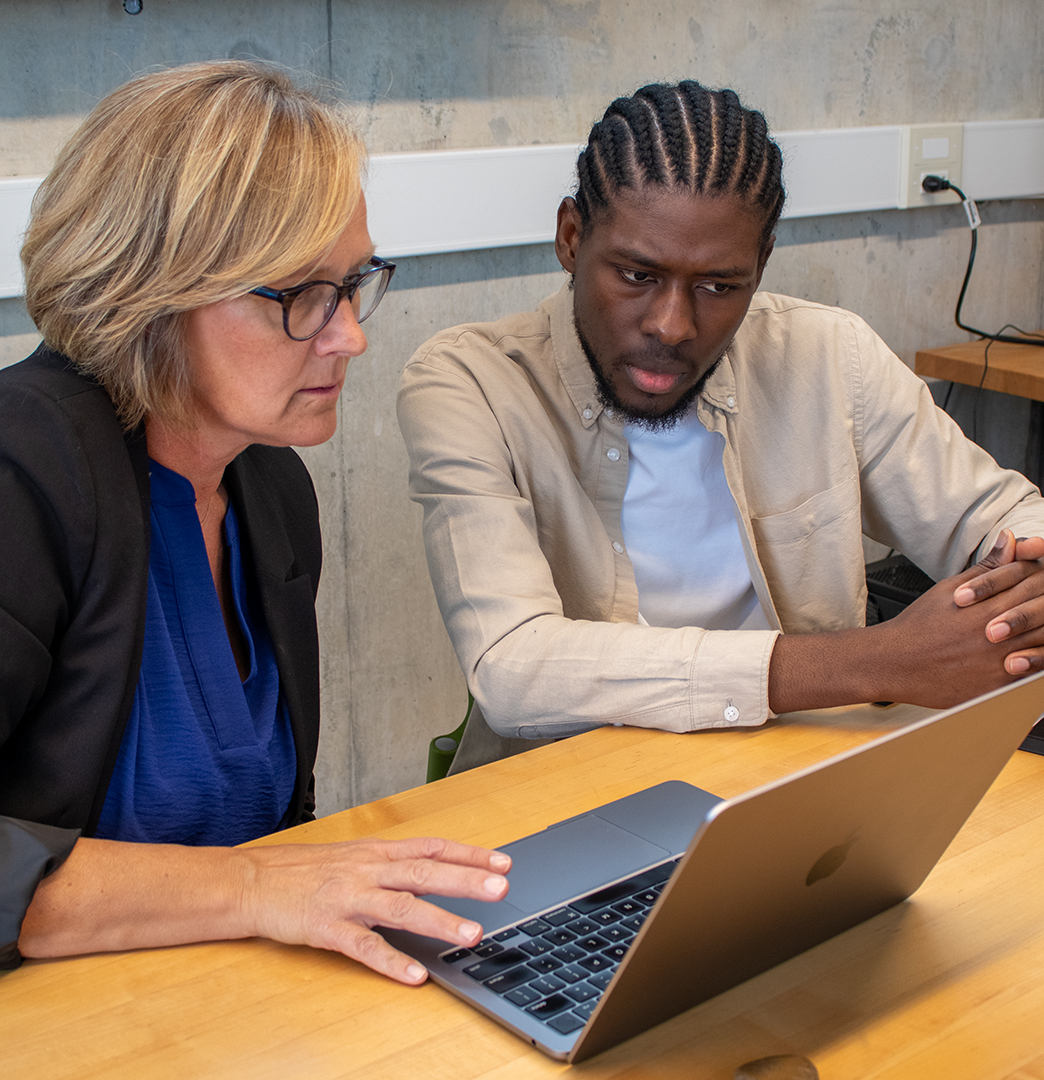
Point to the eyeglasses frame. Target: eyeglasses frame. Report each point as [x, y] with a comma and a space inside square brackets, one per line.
[345, 290]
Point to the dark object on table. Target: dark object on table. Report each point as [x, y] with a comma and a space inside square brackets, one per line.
[891, 585]
[1034, 741]
[778, 1067]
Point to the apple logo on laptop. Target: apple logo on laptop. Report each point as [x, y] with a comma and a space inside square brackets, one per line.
[830, 861]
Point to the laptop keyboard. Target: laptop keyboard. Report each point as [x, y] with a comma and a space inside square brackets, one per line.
[555, 966]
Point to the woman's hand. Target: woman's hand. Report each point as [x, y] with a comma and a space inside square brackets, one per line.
[109, 896]
[331, 895]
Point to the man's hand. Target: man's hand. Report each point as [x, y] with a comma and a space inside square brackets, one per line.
[1012, 570]
[969, 634]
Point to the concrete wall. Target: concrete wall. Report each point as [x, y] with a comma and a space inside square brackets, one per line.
[438, 74]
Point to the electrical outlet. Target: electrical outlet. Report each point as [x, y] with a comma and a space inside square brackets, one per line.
[930, 149]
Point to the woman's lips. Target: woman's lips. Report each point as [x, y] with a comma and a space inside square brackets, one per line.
[653, 382]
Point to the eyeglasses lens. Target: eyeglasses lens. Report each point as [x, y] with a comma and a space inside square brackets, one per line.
[368, 294]
[311, 310]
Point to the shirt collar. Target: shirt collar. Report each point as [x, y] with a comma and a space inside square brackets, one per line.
[573, 368]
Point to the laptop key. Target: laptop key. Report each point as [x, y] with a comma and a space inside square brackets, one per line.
[566, 1023]
[583, 926]
[634, 923]
[551, 1005]
[625, 907]
[617, 933]
[594, 943]
[616, 953]
[509, 980]
[597, 962]
[584, 1011]
[605, 916]
[486, 969]
[568, 954]
[558, 937]
[535, 946]
[506, 935]
[453, 957]
[547, 984]
[560, 917]
[487, 948]
[523, 996]
[582, 992]
[534, 927]
[571, 974]
[544, 964]
[602, 979]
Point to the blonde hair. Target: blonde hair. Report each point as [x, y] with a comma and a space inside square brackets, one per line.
[181, 188]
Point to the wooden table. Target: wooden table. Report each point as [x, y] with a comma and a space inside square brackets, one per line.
[949, 984]
[1012, 369]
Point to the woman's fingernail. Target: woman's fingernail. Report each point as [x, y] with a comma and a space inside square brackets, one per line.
[415, 972]
[469, 931]
[495, 885]
[500, 861]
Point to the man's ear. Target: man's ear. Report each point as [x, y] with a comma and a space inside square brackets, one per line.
[763, 258]
[567, 235]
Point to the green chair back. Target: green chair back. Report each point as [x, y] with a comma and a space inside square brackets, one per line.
[443, 748]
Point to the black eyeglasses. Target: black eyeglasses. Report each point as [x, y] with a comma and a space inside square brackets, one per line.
[309, 307]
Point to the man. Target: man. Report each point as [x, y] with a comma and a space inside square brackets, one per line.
[629, 493]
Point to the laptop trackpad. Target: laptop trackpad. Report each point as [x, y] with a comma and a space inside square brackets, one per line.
[574, 857]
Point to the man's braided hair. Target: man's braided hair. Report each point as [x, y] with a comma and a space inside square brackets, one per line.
[684, 136]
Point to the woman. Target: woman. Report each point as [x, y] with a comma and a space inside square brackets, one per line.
[187, 263]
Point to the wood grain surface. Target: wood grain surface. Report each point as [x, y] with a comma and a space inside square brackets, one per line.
[949, 984]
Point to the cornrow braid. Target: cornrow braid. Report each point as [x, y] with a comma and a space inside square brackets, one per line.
[683, 136]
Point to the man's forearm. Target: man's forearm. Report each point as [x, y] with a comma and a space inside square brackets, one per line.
[819, 671]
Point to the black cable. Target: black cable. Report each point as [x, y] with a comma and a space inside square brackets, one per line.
[932, 184]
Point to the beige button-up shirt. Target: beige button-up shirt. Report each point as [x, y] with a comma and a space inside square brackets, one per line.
[521, 474]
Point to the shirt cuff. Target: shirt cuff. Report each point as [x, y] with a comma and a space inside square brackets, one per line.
[730, 679]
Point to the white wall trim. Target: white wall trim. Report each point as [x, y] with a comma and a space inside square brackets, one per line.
[461, 200]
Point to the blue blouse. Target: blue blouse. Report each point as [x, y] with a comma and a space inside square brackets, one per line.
[206, 758]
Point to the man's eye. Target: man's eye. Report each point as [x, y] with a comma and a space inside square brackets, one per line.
[717, 288]
[636, 277]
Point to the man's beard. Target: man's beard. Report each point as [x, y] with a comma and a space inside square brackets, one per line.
[649, 419]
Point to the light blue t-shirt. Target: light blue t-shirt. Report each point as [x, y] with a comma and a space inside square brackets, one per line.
[679, 525]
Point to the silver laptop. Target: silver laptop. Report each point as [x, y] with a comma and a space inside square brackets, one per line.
[621, 918]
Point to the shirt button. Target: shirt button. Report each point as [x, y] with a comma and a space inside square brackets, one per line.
[587, 414]
[612, 454]
[731, 402]
[617, 547]
[731, 713]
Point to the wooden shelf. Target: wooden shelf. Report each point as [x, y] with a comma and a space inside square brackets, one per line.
[1012, 369]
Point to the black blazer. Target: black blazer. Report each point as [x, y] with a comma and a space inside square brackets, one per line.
[74, 553]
